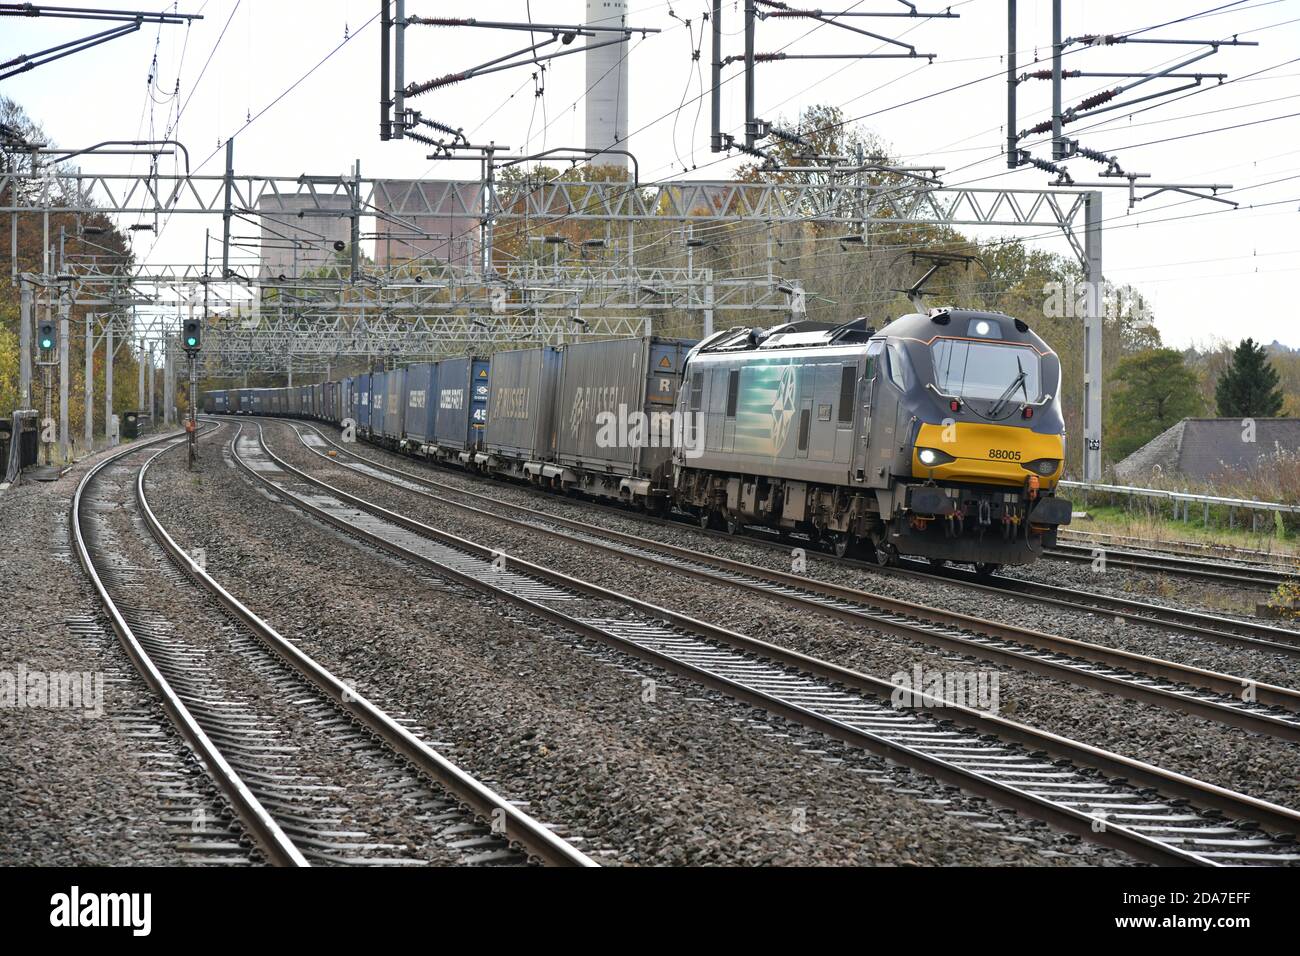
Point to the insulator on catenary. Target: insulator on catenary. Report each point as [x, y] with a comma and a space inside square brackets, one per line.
[441, 127]
[415, 89]
[440, 21]
[1047, 74]
[1069, 116]
[1098, 39]
[1040, 163]
[736, 144]
[1097, 99]
[788, 136]
[1095, 156]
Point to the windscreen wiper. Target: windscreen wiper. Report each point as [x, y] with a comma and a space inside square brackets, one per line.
[1017, 382]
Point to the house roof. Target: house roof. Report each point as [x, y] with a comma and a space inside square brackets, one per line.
[1204, 447]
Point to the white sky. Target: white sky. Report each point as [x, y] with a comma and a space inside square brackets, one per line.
[1207, 271]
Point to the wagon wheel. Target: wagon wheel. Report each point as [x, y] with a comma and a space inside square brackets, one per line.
[986, 569]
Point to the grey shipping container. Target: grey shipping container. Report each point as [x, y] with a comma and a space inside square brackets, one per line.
[521, 403]
[361, 400]
[378, 388]
[394, 404]
[463, 387]
[421, 401]
[610, 390]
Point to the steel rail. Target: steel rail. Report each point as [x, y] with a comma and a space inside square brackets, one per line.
[277, 846]
[1171, 564]
[759, 580]
[1269, 815]
[1278, 640]
[1196, 623]
[1250, 558]
[1264, 636]
[506, 819]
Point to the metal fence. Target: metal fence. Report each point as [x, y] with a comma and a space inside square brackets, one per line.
[1181, 501]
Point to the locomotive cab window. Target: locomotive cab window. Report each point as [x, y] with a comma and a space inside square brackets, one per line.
[848, 389]
[992, 371]
[895, 363]
[697, 391]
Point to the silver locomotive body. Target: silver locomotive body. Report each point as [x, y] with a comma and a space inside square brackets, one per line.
[847, 434]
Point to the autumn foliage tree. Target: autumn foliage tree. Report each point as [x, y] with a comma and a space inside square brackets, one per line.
[86, 243]
[1149, 392]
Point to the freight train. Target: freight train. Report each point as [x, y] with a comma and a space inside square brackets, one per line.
[939, 436]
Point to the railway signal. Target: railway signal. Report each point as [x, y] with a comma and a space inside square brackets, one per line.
[47, 335]
[192, 334]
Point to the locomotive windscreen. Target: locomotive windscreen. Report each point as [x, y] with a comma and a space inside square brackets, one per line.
[987, 370]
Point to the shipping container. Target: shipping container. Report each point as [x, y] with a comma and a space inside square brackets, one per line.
[361, 401]
[615, 400]
[462, 403]
[215, 402]
[421, 401]
[346, 411]
[394, 405]
[378, 388]
[521, 404]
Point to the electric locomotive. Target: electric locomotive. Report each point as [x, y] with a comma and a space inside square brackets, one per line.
[939, 436]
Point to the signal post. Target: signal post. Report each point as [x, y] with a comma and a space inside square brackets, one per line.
[192, 341]
[47, 342]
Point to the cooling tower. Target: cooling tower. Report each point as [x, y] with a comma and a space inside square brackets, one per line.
[607, 83]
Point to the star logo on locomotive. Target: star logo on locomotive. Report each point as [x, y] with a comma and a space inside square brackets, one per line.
[783, 408]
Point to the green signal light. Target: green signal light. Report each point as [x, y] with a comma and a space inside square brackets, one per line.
[47, 344]
[191, 341]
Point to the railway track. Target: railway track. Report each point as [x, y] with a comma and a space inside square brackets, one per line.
[1250, 557]
[1215, 628]
[303, 759]
[1273, 711]
[1152, 813]
[1237, 575]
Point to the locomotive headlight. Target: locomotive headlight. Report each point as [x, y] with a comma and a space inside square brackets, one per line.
[930, 457]
[1043, 466]
[981, 327]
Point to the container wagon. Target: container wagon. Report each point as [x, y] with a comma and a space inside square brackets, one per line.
[615, 402]
[520, 442]
[420, 407]
[462, 408]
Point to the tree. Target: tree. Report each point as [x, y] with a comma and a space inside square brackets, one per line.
[1248, 389]
[1150, 391]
